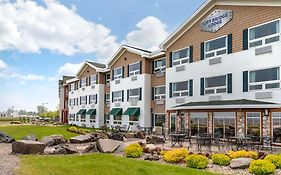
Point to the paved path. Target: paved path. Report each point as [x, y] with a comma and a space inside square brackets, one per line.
[8, 163]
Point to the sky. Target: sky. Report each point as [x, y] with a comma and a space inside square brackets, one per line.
[42, 40]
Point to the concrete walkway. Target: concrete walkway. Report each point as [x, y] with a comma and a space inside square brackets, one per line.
[8, 163]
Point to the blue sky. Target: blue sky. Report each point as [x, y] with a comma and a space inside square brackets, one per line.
[42, 40]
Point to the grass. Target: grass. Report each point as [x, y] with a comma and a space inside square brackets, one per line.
[19, 131]
[98, 164]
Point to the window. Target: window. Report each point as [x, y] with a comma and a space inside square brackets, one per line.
[159, 119]
[180, 89]
[71, 117]
[198, 123]
[92, 99]
[159, 92]
[253, 123]
[276, 127]
[264, 79]
[93, 79]
[160, 65]
[180, 56]
[83, 100]
[83, 118]
[83, 82]
[107, 98]
[134, 93]
[134, 69]
[107, 118]
[71, 102]
[133, 120]
[117, 96]
[118, 73]
[224, 124]
[216, 47]
[264, 34]
[77, 118]
[117, 119]
[72, 86]
[215, 85]
[92, 118]
[107, 78]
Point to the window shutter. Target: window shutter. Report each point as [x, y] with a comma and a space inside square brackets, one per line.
[104, 97]
[245, 39]
[112, 97]
[86, 98]
[123, 70]
[87, 81]
[97, 79]
[122, 95]
[229, 44]
[171, 59]
[152, 64]
[245, 81]
[202, 86]
[229, 83]
[74, 102]
[105, 78]
[140, 67]
[112, 74]
[202, 53]
[191, 87]
[96, 98]
[152, 93]
[128, 68]
[80, 83]
[140, 95]
[171, 90]
[80, 100]
[190, 54]
[152, 119]
[128, 95]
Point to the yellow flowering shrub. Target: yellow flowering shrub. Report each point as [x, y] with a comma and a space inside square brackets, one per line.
[175, 155]
[243, 153]
[261, 167]
[134, 150]
[276, 160]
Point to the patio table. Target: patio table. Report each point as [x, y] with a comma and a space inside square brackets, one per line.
[177, 138]
[241, 142]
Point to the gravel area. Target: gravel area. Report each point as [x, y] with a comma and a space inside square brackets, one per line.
[8, 162]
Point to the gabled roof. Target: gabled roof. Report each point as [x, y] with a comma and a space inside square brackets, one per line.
[204, 8]
[97, 66]
[65, 79]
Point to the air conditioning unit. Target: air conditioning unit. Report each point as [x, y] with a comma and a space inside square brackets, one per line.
[215, 98]
[72, 92]
[134, 102]
[117, 81]
[180, 68]
[117, 104]
[93, 105]
[134, 78]
[83, 89]
[160, 74]
[93, 86]
[180, 100]
[215, 61]
[83, 106]
[160, 102]
[264, 95]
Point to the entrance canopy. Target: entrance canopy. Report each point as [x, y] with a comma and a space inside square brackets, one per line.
[81, 111]
[91, 112]
[115, 111]
[132, 111]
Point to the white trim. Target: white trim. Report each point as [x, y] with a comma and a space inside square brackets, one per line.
[181, 59]
[135, 72]
[217, 50]
[182, 91]
[262, 106]
[160, 95]
[216, 87]
[272, 126]
[119, 76]
[162, 68]
[260, 118]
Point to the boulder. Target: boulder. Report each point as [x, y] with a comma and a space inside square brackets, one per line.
[53, 140]
[153, 157]
[140, 135]
[70, 149]
[129, 135]
[99, 135]
[5, 138]
[241, 163]
[155, 140]
[150, 147]
[28, 147]
[58, 149]
[81, 139]
[30, 137]
[91, 148]
[108, 145]
[117, 136]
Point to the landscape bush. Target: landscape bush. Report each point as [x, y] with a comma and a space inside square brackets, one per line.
[261, 167]
[133, 150]
[76, 130]
[196, 161]
[221, 159]
[175, 155]
[276, 160]
[243, 154]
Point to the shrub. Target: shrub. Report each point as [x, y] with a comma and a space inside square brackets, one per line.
[261, 167]
[175, 155]
[197, 161]
[78, 130]
[134, 150]
[72, 129]
[243, 153]
[276, 160]
[221, 159]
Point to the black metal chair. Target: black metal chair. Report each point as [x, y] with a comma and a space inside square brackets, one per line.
[267, 144]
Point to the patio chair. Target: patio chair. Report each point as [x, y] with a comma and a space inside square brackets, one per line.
[267, 144]
[124, 128]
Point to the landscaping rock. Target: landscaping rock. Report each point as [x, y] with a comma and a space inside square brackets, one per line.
[108, 145]
[91, 148]
[81, 139]
[240, 163]
[70, 149]
[28, 147]
[5, 138]
[53, 140]
[153, 157]
[129, 135]
[140, 135]
[58, 149]
[99, 135]
[155, 140]
[117, 136]
[150, 147]
[30, 137]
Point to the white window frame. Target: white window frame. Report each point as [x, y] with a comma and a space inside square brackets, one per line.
[92, 120]
[135, 72]
[181, 60]
[252, 117]
[107, 100]
[217, 50]
[263, 39]
[83, 84]
[180, 92]
[263, 83]
[134, 96]
[83, 120]
[71, 117]
[71, 102]
[272, 126]
[117, 122]
[161, 68]
[159, 96]
[217, 88]
[117, 99]
[94, 100]
[83, 102]
[117, 76]
[107, 79]
[225, 115]
[72, 86]
[93, 82]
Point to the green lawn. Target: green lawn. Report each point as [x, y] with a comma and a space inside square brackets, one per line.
[19, 131]
[98, 164]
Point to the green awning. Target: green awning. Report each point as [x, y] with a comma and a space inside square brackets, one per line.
[132, 111]
[91, 112]
[115, 111]
[81, 111]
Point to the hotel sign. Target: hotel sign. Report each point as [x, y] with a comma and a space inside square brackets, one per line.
[216, 20]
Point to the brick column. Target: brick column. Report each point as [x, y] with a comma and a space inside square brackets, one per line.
[266, 126]
[240, 120]
[187, 119]
[166, 126]
[210, 122]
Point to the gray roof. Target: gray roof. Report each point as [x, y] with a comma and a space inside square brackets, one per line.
[137, 48]
[64, 79]
[98, 65]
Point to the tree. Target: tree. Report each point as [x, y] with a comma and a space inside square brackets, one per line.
[41, 109]
[22, 112]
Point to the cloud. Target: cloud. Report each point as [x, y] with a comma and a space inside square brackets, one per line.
[69, 69]
[29, 27]
[28, 77]
[3, 65]
[151, 32]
